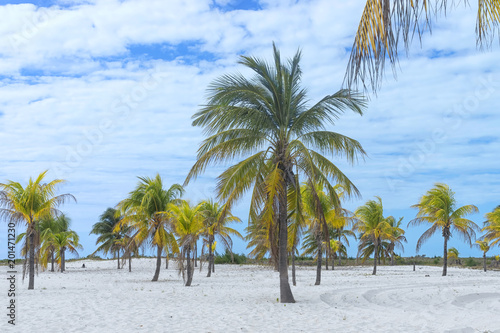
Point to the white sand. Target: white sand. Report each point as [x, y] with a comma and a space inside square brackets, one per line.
[100, 298]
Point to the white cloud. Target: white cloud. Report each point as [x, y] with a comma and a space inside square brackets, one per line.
[84, 77]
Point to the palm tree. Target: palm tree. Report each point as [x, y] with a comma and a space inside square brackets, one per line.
[373, 228]
[267, 121]
[108, 237]
[48, 228]
[385, 24]
[188, 226]
[319, 210]
[66, 240]
[146, 211]
[397, 238]
[215, 219]
[492, 227]
[29, 205]
[296, 226]
[453, 254]
[341, 234]
[438, 207]
[485, 247]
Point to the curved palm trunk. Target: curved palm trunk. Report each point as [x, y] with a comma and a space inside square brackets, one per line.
[31, 284]
[209, 257]
[484, 261]
[318, 264]
[375, 257]
[286, 295]
[158, 263]
[189, 270]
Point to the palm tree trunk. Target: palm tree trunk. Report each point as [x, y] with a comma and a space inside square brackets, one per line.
[130, 261]
[52, 261]
[209, 257]
[195, 255]
[61, 253]
[333, 261]
[31, 284]
[340, 244]
[158, 263]
[166, 261]
[118, 261]
[445, 256]
[286, 295]
[213, 262]
[484, 261]
[392, 255]
[189, 271]
[327, 256]
[294, 282]
[318, 264]
[375, 257]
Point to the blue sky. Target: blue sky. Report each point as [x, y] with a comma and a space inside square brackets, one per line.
[100, 92]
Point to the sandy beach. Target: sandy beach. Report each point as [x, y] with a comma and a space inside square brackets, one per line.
[99, 298]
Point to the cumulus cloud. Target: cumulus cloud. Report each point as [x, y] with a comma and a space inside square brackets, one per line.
[102, 91]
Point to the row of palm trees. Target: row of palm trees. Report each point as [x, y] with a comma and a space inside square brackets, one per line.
[47, 230]
[156, 217]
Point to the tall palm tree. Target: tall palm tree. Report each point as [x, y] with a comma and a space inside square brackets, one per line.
[397, 238]
[485, 247]
[215, 218]
[188, 226]
[146, 210]
[386, 24]
[28, 205]
[492, 227]
[266, 121]
[66, 240]
[108, 237]
[373, 227]
[438, 208]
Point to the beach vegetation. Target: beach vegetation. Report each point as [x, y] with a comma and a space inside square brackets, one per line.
[188, 223]
[28, 205]
[216, 219]
[386, 26]
[437, 207]
[266, 120]
[373, 229]
[107, 236]
[147, 211]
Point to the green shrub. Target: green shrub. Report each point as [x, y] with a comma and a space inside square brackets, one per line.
[435, 261]
[226, 258]
[470, 262]
[303, 258]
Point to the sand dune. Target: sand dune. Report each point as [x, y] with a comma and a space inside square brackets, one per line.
[100, 298]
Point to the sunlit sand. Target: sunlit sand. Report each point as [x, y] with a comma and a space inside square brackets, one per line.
[100, 298]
